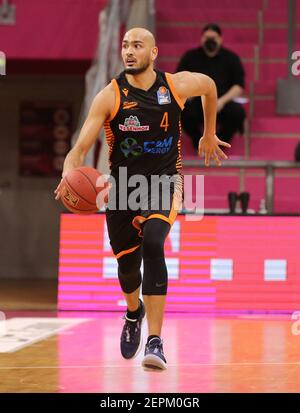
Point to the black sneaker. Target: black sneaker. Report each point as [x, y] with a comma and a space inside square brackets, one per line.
[131, 342]
[154, 355]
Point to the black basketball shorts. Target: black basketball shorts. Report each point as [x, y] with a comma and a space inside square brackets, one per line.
[125, 225]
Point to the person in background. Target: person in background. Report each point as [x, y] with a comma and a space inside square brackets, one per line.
[225, 68]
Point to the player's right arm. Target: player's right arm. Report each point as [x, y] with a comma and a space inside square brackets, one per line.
[100, 110]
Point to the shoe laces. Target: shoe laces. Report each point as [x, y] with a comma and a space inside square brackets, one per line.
[129, 330]
[155, 345]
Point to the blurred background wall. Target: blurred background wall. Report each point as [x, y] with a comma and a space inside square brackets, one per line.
[48, 50]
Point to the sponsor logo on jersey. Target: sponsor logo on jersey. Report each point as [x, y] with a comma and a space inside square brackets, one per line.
[125, 91]
[163, 96]
[129, 105]
[130, 147]
[132, 124]
[159, 147]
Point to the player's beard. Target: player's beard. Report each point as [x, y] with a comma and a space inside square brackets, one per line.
[137, 70]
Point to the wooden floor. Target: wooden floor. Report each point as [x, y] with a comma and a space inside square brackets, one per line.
[28, 294]
[205, 353]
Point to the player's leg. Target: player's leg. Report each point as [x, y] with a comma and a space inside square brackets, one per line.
[154, 288]
[130, 278]
[126, 245]
[230, 120]
[155, 224]
[129, 275]
[155, 278]
[192, 120]
[132, 301]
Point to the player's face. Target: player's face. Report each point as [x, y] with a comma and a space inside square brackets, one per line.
[136, 55]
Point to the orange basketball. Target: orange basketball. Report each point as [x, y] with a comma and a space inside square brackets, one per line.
[80, 190]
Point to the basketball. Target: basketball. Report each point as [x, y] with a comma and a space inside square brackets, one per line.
[80, 190]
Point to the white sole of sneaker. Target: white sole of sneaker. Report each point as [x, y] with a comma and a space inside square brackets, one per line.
[139, 348]
[152, 362]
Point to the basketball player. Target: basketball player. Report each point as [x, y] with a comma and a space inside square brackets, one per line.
[140, 112]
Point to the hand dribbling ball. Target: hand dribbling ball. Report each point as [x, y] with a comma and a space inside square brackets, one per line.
[80, 191]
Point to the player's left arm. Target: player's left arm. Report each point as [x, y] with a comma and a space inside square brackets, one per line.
[189, 84]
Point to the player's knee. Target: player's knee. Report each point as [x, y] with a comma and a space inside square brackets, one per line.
[152, 248]
[129, 273]
[155, 279]
[130, 279]
[155, 233]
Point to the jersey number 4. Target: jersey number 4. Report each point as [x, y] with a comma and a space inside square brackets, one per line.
[165, 121]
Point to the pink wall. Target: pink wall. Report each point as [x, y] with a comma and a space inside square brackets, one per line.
[88, 272]
[52, 29]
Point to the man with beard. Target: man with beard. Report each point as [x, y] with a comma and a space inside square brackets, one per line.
[140, 112]
[225, 68]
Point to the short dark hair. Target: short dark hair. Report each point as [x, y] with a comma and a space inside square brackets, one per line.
[212, 26]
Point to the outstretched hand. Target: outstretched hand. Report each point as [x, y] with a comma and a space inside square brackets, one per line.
[58, 190]
[210, 149]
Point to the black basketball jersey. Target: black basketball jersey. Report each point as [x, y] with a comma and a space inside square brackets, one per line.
[143, 132]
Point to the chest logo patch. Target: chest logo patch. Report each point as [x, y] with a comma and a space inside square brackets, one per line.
[129, 105]
[132, 124]
[163, 96]
[130, 147]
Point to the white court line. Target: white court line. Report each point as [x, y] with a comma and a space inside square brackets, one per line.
[20, 332]
[293, 363]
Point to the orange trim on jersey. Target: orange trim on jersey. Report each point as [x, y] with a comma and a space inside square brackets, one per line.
[124, 252]
[162, 217]
[176, 205]
[110, 139]
[173, 90]
[173, 212]
[114, 84]
[179, 159]
[137, 225]
[170, 219]
[177, 199]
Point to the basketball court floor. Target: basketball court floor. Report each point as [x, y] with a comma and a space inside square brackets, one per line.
[79, 352]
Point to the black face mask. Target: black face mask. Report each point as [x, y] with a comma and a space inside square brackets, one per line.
[210, 45]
